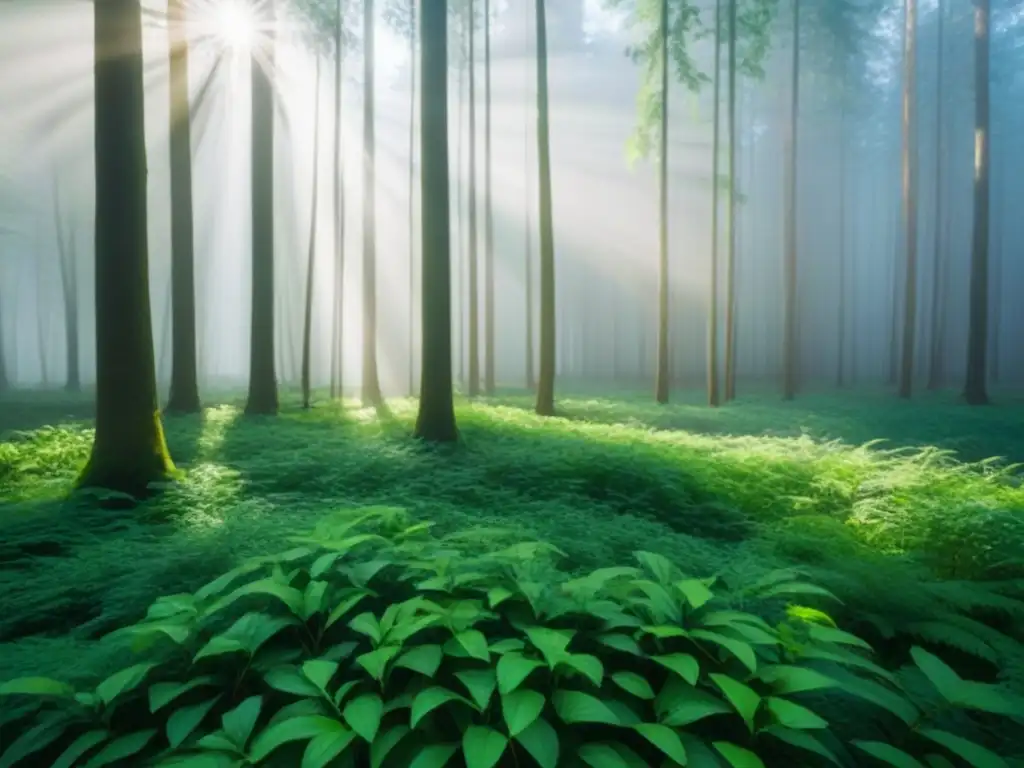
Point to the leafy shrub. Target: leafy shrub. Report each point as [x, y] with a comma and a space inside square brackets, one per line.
[374, 643]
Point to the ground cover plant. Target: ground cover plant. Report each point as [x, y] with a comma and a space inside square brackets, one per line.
[905, 550]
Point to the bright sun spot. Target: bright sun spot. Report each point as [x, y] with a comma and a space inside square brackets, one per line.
[234, 24]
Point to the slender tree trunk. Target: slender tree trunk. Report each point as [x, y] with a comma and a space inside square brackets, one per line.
[262, 375]
[41, 324]
[307, 319]
[975, 389]
[5, 381]
[841, 350]
[129, 451]
[459, 208]
[338, 303]
[412, 194]
[546, 384]
[67, 253]
[488, 214]
[790, 355]
[730, 247]
[531, 381]
[473, 388]
[906, 378]
[935, 362]
[661, 384]
[371, 394]
[184, 393]
[712, 351]
[436, 418]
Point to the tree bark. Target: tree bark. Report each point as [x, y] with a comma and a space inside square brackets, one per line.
[307, 319]
[906, 374]
[661, 384]
[412, 196]
[473, 385]
[371, 394]
[338, 303]
[531, 381]
[489, 350]
[790, 353]
[545, 405]
[730, 247]
[937, 342]
[712, 351]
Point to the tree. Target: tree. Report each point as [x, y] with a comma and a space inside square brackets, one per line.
[790, 363]
[67, 262]
[337, 371]
[545, 405]
[762, 22]
[528, 234]
[977, 335]
[129, 451]
[473, 386]
[488, 214]
[412, 196]
[909, 162]
[184, 394]
[712, 350]
[370, 391]
[664, 369]
[935, 357]
[436, 418]
[307, 320]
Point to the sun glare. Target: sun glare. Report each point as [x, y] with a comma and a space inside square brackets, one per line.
[234, 24]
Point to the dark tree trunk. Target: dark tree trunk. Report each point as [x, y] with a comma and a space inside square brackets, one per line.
[712, 351]
[906, 374]
[937, 342]
[459, 207]
[975, 389]
[129, 452]
[546, 384]
[436, 418]
[262, 376]
[790, 354]
[307, 319]
[338, 302]
[371, 394]
[184, 393]
[730, 247]
[661, 383]
[841, 350]
[67, 253]
[473, 386]
[412, 196]
[488, 214]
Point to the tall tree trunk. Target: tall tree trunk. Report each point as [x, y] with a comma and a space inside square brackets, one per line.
[129, 451]
[975, 390]
[67, 253]
[790, 361]
[307, 319]
[906, 378]
[262, 375]
[531, 380]
[937, 342]
[412, 195]
[546, 384]
[41, 324]
[712, 351]
[473, 388]
[459, 208]
[730, 247]
[371, 394]
[661, 384]
[488, 214]
[184, 392]
[841, 350]
[5, 381]
[436, 418]
[338, 303]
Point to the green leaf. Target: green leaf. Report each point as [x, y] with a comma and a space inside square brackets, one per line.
[801, 740]
[79, 747]
[126, 746]
[887, 753]
[33, 740]
[520, 709]
[425, 659]
[183, 721]
[289, 679]
[346, 605]
[975, 755]
[985, 697]
[363, 715]
[475, 644]
[480, 683]
[507, 645]
[124, 681]
[343, 690]
[695, 591]
[602, 756]
[665, 739]
[832, 635]
[247, 634]
[325, 748]
[162, 694]
[682, 705]
[319, 672]
[313, 598]
[790, 679]
[743, 699]
[239, 722]
[793, 715]
[588, 666]
[737, 648]
[497, 595]
[664, 631]
[946, 681]
[683, 664]
[552, 643]
[385, 742]
[633, 683]
[620, 642]
[269, 587]
[541, 741]
[880, 696]
[367, 624]
[796, 588]
[322, 564]
[217, 741]
[376, 662]
[301, 728]
[579, 707]
[429, 699]
[513, 668]
[738, 757]
[36, 686]
[434, 756]
[482, 747]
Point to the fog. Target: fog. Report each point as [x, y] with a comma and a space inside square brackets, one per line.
[605, 208]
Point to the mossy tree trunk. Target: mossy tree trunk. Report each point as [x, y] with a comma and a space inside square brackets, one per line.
[262, 375]
[545, 405]
[184, 394]
[129, 451]
[436, 418]
[370, 391]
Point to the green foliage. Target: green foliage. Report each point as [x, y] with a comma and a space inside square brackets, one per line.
[372, 641]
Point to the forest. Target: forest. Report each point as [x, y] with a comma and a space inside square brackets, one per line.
[527, 383]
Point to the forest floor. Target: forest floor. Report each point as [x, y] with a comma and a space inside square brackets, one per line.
[736, 491]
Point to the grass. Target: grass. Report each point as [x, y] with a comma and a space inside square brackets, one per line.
[900, 531]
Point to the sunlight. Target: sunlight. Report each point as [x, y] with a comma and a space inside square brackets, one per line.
[234, 24]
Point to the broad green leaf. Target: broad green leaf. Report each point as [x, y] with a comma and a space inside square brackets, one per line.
[729, 618]
[665, 739]
[480, 683]
[219, 741]
[429, 699]
[513, 668]
[319, 672]
[880, 696]
[507, 645]
[403, 631]
[695, 591]
[322, 564]
[681, 705]
[521, 708]
[792, 715]
[144, 635]
[633, 683]
[434, 756]
[683, 664]
[162, 694]
[183, 721]
[801, 740]
[837, 636]
[33, 740]
[578, 707]
[482, 747]
[552, 643]
[497, 595]
[239, 722]
[541, 741]
[376, 662]
[738, 757]
[888, 754]
[986, 697]
[343, 690]
[663, 605]
[475, 644]
[363, 715]
[385, 742]
[588, 666]
[737, 648]
[347, 604]
[120, 748]
[367, 624]
[313, 598]
[218, 645]
[269, 587]
[784, 678]
[124, 681]
[848, 659]
[620, 642]
[664, 631]
[660, 567]
[323, 749]
[602, 756]
[301, 728]
[36, 686]
[247, 634]
[974, 754]
[289, 679]
[796, 588]
[425, 659]
[84, 743]
[743, 699]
